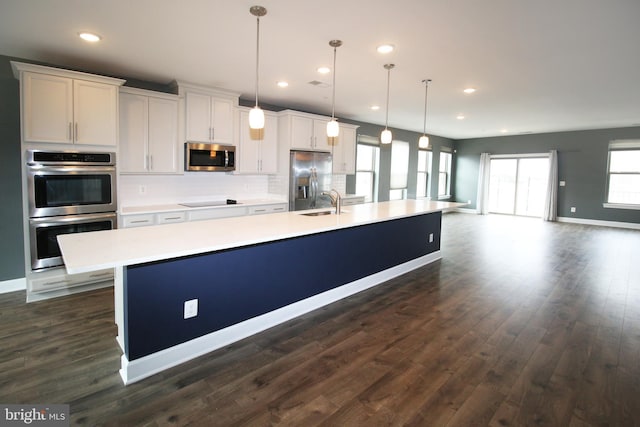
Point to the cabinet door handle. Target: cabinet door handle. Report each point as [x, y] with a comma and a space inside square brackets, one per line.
[150, 162]
[70, 131]
[76, 137]
[169, 218]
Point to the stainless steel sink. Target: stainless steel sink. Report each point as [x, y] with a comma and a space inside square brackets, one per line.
[321, 213]
[318, 213]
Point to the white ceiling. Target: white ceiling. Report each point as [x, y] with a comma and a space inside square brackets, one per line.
[537, 65]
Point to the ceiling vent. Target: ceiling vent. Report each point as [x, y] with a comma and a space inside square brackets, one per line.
[318, 84]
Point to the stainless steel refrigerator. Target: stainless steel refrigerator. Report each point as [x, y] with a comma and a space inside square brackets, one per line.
[310, 175]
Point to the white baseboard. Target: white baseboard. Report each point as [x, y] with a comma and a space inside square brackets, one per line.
[616, 224]
[138, 369]
[466, 210]
[13, 285]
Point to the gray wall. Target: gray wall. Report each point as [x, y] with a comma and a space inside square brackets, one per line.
[11, 241]
[582, 163]
[435, 143]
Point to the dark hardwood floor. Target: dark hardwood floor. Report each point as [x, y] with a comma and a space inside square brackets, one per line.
[521, 323]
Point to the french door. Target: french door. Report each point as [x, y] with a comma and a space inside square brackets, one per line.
[517, 185]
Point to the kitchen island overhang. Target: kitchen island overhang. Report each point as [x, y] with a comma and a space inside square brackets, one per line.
[242, 289]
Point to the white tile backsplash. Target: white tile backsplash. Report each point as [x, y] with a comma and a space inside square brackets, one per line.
[143, 190]
[140, 190]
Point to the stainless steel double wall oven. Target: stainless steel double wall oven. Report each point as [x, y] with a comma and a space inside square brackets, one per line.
[68, 192]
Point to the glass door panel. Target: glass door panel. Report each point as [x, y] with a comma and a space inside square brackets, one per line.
[518, 186]
[531, 186]
[502, 185]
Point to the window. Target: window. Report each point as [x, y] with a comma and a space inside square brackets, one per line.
[517, 185]
[367, 164]
[423, 187]
[399, 170]
[444, 176]
[624, 174]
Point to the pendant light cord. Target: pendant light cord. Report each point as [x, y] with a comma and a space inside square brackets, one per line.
[426, 89]
[333, 103]
[257, 55]
[386, 123]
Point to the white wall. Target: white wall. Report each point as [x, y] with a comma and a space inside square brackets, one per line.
[138, 190]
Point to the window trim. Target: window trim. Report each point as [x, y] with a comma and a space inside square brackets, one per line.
[447, 195]
[366, 140]
[427, 172]
[620, 145]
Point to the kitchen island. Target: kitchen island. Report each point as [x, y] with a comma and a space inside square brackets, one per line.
[183, 290]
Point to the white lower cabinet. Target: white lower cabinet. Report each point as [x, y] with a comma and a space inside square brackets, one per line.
[267, 209]
[59, 279]
[140, 220]
[143, 220]
[171, 217]
[157, 218]
[202, 214]
[352, 200]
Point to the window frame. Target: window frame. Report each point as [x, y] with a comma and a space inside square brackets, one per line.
[375, 172]
[447, 175]
[427, 172]
[620, 145]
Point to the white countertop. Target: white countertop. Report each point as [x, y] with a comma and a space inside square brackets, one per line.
[84, 252]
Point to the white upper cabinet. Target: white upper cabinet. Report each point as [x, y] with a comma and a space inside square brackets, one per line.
[67, 107]
[258, 148]
[148, 132]
[95, 110]
[301, 131]
[320, 139]
[344, 150]
[47, 105]
[209, 114]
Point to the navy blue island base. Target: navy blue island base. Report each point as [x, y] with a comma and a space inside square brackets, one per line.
[235, 285]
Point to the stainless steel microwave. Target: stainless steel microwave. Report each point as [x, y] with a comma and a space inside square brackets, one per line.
[209, 157]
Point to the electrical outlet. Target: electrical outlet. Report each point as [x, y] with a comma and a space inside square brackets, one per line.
[562, 183]
[573, 209]
[430, 237]
[142, 189]
[190, 308]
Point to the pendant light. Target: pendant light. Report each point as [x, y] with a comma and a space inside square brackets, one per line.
[333, 130]
[256, 115]
[385, 136]
[423, 142]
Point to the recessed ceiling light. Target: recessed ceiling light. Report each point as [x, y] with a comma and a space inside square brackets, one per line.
[504, 130]
[89, 37]
[460, 117]
[469, 90]
[385, 48]
[324, 70]
[282, 83]
[375, 107]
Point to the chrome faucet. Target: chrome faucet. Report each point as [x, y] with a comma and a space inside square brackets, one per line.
[336, 200]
